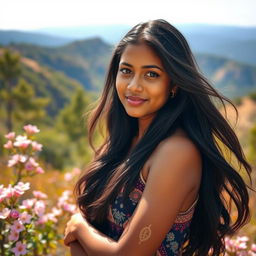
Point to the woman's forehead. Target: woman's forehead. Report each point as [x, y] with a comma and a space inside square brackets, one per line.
[140, 54]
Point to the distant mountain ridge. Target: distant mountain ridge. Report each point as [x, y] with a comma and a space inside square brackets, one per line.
[15, 36]
[233, 42]
[86, 61]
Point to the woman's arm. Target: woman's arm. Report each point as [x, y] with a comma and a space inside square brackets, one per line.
[76, 249]
[173, 177]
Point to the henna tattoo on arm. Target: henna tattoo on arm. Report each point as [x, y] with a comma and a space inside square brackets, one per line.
[145, 234]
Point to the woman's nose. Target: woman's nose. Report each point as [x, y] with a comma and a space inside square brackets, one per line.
[135, 84]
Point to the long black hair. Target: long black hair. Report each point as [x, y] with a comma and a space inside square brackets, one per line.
[192, 109]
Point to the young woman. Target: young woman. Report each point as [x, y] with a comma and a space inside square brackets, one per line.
[160, 183]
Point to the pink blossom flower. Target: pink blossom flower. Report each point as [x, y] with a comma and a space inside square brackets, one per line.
[9, 191]
[76, 171]
[39, 170]
[8, 145]
[42, 219]
[2, 193]
[69, 207]
[17, 226]
[68, 176]
[22, 142]
[10, 135]
[16, 191]
[36, 146]
[39, 195]
[23, 186]
[253, 247]
[16, 159]
[56, 212]
[14, 214]
[242, 239]
[31, 129]
[14, 236]
[25, 217]
[39, 208]
[31, 164]
[241, 246]
[51, 217]
[4, 213]
[28, 203]
[19, 249]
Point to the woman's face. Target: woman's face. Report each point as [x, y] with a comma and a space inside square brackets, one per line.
[142, 84]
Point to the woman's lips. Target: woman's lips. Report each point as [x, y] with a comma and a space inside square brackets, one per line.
[135, 100]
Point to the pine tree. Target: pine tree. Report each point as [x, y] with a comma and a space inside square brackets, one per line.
[30, 107]
[71, 120]
[18, 96]
[10, 69]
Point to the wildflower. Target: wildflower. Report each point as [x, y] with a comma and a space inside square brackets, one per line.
[4, 213]
[42, 219]
[8, 145]
[28, 203]
[10, 135]
[14, 214]
[39, 170]
[36, 146]
[19, 249]
[14, 236]
[69, 207]
[253, 248]
[23, 186]
[68, 176]
[17, 226]
[39, 208]
[56, 212]
[52, 217]
[31, 164]
[25, 217]
[39, 195]
[22, 142]
[31, 129]
[16, 159]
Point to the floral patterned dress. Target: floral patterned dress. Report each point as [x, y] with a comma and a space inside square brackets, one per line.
[119, 215]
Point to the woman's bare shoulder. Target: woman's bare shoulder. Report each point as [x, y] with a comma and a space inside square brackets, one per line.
[179, 141]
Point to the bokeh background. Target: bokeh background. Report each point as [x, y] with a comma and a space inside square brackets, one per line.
[54, 56]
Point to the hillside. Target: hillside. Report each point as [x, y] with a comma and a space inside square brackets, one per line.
[49, 83]
[84, 61]
[232, 78]
[246, 119]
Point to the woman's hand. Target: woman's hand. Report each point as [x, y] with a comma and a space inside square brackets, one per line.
[72, 226]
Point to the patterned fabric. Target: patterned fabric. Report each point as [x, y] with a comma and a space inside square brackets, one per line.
[119, 215]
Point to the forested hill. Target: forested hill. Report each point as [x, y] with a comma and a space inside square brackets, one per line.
[86, 61]
[49, 83]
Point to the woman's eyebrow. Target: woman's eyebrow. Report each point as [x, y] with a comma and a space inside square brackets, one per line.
[145, 66]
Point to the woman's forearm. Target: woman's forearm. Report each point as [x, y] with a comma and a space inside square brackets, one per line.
[94, 242]
[76, 249]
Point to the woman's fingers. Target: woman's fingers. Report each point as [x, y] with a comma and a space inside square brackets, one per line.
[69, 238]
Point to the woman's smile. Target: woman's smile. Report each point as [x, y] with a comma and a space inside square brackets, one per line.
[135, 100]
[142, 84]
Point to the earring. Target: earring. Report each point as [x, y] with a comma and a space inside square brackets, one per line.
[172, 94]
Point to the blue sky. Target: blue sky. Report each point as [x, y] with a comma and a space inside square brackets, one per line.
[33, 14]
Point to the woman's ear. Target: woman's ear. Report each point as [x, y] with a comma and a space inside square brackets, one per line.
[175, 88]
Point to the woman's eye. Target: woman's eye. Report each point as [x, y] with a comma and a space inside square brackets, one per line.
[125, 70]
[152, 74]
